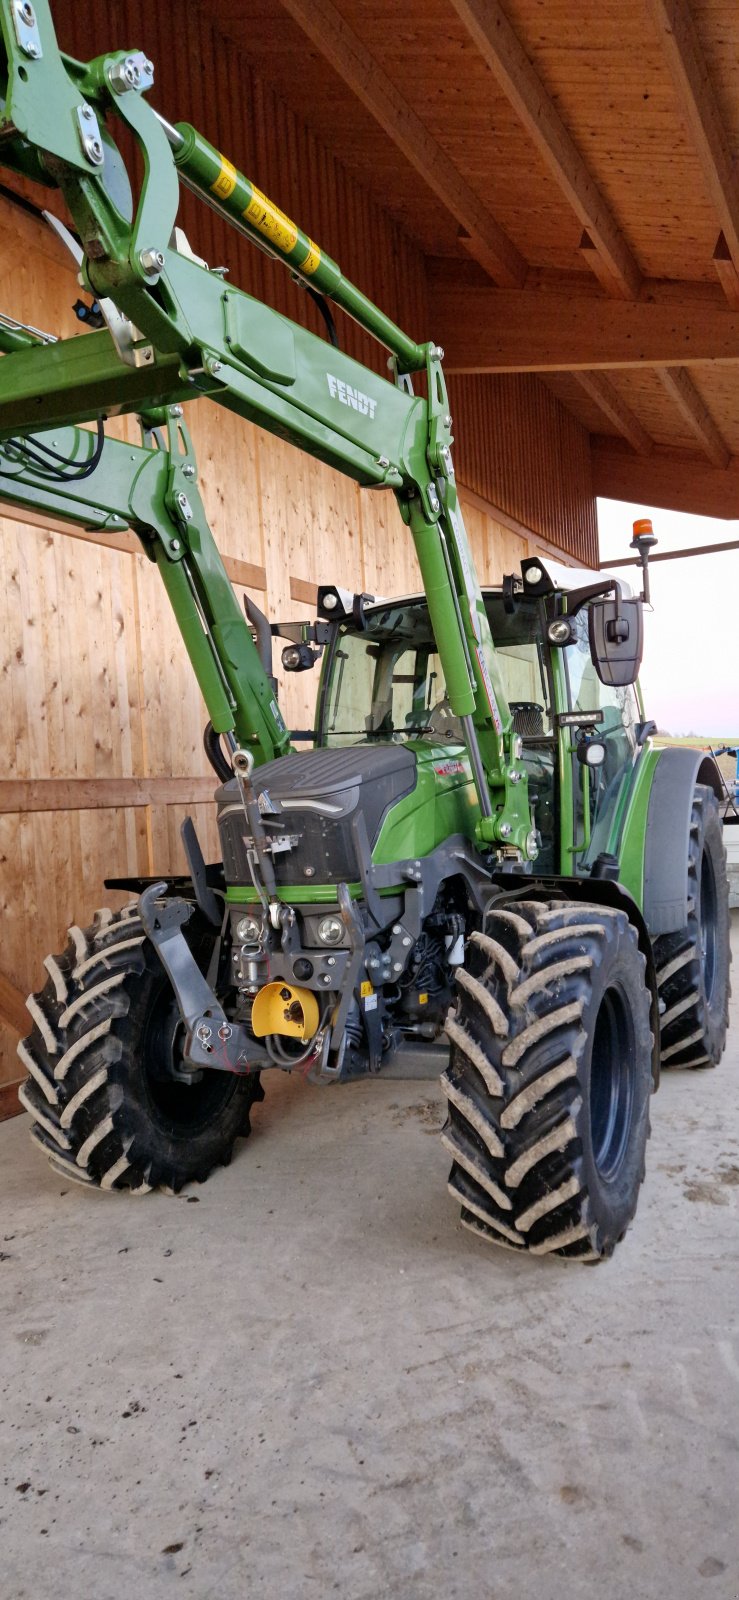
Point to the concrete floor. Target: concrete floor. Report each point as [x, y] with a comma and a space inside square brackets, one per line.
[313, 1382]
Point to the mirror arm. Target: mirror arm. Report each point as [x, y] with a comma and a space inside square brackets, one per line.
[578, 598]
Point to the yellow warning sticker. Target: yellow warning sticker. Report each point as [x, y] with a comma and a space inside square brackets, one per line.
[271, 222]
[423, 999]
[313, 259]
[365, 988]
[226, 181]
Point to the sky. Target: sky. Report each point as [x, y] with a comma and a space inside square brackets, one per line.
[690, 672]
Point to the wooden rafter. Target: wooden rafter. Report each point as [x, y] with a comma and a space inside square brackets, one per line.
[349, 57]
[726, 271]
[679, 480]
[614, 407]
[496, 330]
[682, 390]
[700, 107]
[510, 65]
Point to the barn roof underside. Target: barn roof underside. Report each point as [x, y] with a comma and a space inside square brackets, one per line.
[567, 168]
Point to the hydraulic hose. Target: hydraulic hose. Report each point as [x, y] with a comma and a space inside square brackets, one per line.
[214, 751]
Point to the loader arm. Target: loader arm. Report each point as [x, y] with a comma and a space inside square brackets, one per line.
[175, 332]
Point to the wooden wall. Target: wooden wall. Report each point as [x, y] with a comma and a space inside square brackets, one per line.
[100, 733]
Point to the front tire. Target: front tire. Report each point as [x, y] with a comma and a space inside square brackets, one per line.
[105, 1107]
[549, 1079]
[693, 964]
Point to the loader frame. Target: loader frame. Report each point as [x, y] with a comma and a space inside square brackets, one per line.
[176, 332]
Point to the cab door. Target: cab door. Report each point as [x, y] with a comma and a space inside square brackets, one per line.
[599, 795]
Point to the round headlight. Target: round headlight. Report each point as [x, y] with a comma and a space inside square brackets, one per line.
[248, 930]
[595, 753]
[560, 631]
[331, 930]
[291, 657]
[330, 602]
[534, 574]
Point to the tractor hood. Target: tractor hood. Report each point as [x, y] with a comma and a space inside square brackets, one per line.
[317, 801]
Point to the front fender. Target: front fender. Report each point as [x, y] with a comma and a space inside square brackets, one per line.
[593, 891]
[667, 835]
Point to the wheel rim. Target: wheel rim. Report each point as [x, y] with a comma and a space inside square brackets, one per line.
[179, 1107]
[612, 1082]
[708, 924]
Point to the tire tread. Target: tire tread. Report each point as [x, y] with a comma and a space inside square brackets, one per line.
[515, 1100]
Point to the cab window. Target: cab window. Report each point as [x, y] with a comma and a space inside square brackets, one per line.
[598, 795]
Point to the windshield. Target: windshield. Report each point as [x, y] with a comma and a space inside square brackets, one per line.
[388, 684]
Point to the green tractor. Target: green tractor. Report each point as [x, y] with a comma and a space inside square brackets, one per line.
[482, 842]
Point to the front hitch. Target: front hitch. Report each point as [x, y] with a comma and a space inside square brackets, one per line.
[211, 1039]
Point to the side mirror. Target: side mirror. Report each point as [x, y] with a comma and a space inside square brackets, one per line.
[616, 631]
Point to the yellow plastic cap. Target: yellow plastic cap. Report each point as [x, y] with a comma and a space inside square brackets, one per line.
[285, 1009]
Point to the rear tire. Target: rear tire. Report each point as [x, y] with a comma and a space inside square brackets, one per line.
[549, 1079]
[104, 1109]
[693, 965]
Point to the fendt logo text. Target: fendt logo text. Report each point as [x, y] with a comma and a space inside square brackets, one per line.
[350, 397]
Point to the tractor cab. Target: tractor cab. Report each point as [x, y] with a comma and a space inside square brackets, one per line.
[382, 684]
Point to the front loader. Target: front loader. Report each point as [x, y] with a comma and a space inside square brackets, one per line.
[482, 842]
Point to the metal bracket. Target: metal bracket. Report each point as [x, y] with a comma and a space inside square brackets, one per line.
[122, 332]
[209, 903]
[133, 71]
[212, 1041]
[26, 29]
[331, 1067]
[89, 130]
[163, 922]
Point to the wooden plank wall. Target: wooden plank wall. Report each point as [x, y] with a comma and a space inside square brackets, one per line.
[100, 733]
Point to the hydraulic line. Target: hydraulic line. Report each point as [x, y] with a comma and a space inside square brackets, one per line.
[478, 770]
[210, 175]
[214, 752]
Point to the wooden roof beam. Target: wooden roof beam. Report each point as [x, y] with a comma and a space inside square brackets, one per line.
[682, 390]
[726, 271]
[679, 480]
[500, 330]
[510, 65]
[350, 58]
[614, 407]
[700, 107]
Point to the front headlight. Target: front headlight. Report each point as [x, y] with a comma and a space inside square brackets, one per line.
[249, 930]
[331, 930]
